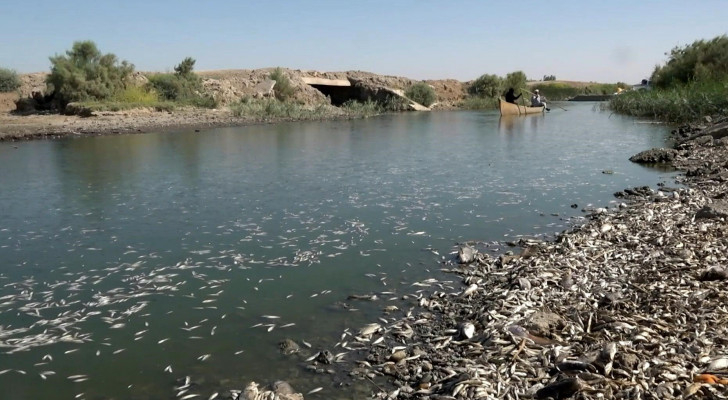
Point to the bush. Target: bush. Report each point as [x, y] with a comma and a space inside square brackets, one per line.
[137, 95]
[515, 80]
[700, 61]
[421, 93]
[486, 86]
[183, 86]
[283, 88]
[9, 80]
[86, 74]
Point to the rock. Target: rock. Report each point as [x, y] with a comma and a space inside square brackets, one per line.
[325, 357]
[466, 254]
[281, 391]
[714, 274]
[398, 356]
[77, 109]
[560, 390]
[719, 209]
[288, 347]
[654, 156]
[542, 323]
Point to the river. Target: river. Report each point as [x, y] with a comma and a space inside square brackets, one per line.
[129, 262]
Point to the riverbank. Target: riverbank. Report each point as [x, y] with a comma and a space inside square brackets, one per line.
[630, 304]
[49, 126]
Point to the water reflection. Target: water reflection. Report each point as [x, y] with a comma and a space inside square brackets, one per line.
[507, 124]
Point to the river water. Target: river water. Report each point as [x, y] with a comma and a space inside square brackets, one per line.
[128, 262]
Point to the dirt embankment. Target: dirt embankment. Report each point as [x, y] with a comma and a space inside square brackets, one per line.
[226, 86]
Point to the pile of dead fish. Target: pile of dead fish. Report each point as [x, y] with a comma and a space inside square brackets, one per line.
[632, 304]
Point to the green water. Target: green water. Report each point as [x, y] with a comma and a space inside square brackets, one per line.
[123, 255]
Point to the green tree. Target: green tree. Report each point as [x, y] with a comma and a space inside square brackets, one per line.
[9, 80]
[283, 88]
[185, 67]
[422, 93]
[515, 80]
[700, 61]
[84, 73]
[486, 86]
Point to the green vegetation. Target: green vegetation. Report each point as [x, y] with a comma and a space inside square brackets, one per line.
[700, 61]
[486, 86]
[421, 93]
[515, 80]
[681, 103]
[274, 108]
[84, 73]
[479, 103]
[563, 91]
[692, 84]
[283, 88]
[183, 87]
[9, 80]
[549, 78]
[362, 109]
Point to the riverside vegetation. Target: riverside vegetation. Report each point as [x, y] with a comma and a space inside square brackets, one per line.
[84, 80]
[691, 85]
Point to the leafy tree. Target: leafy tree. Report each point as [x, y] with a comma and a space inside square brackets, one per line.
[283, 88]
[486, 86]
[84, 73]
[9, 80]
[549, 77]
[515, 80]
[700, 61]
[421, 93]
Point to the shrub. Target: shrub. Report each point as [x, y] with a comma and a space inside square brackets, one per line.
[362, 109]
[9, 80]
[421, 93]
[183, 86]
[701, 60]
[488, 86]
[549, 77]
[86, 74]
[283, 88]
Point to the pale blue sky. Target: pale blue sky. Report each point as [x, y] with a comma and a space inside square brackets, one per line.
[604, 41]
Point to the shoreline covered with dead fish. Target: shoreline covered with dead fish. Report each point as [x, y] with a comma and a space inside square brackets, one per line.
[630, 304]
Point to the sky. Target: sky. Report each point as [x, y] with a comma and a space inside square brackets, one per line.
[601, 41]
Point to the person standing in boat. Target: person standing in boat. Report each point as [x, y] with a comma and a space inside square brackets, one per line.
[538, 101]
[511, 96]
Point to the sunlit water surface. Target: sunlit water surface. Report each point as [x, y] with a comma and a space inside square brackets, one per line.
[128, 262]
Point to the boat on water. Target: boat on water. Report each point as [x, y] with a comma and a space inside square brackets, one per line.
[507, 108]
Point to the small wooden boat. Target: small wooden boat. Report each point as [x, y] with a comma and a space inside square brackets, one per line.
[507, 108]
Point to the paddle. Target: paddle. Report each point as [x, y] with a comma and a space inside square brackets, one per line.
[524, 90]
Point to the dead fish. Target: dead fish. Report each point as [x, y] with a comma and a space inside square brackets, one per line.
[318, 389]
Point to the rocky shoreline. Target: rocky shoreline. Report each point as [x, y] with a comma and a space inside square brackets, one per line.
[631, 304]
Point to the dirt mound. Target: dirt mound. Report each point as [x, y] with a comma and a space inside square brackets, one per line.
[229, 86]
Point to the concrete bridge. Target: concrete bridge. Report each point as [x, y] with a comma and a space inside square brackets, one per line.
[342, 90]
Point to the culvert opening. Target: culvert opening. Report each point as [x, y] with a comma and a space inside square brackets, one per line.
[338, 90]
[338, 94]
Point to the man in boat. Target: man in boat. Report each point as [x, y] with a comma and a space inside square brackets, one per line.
[537, 101]
[511, 96]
